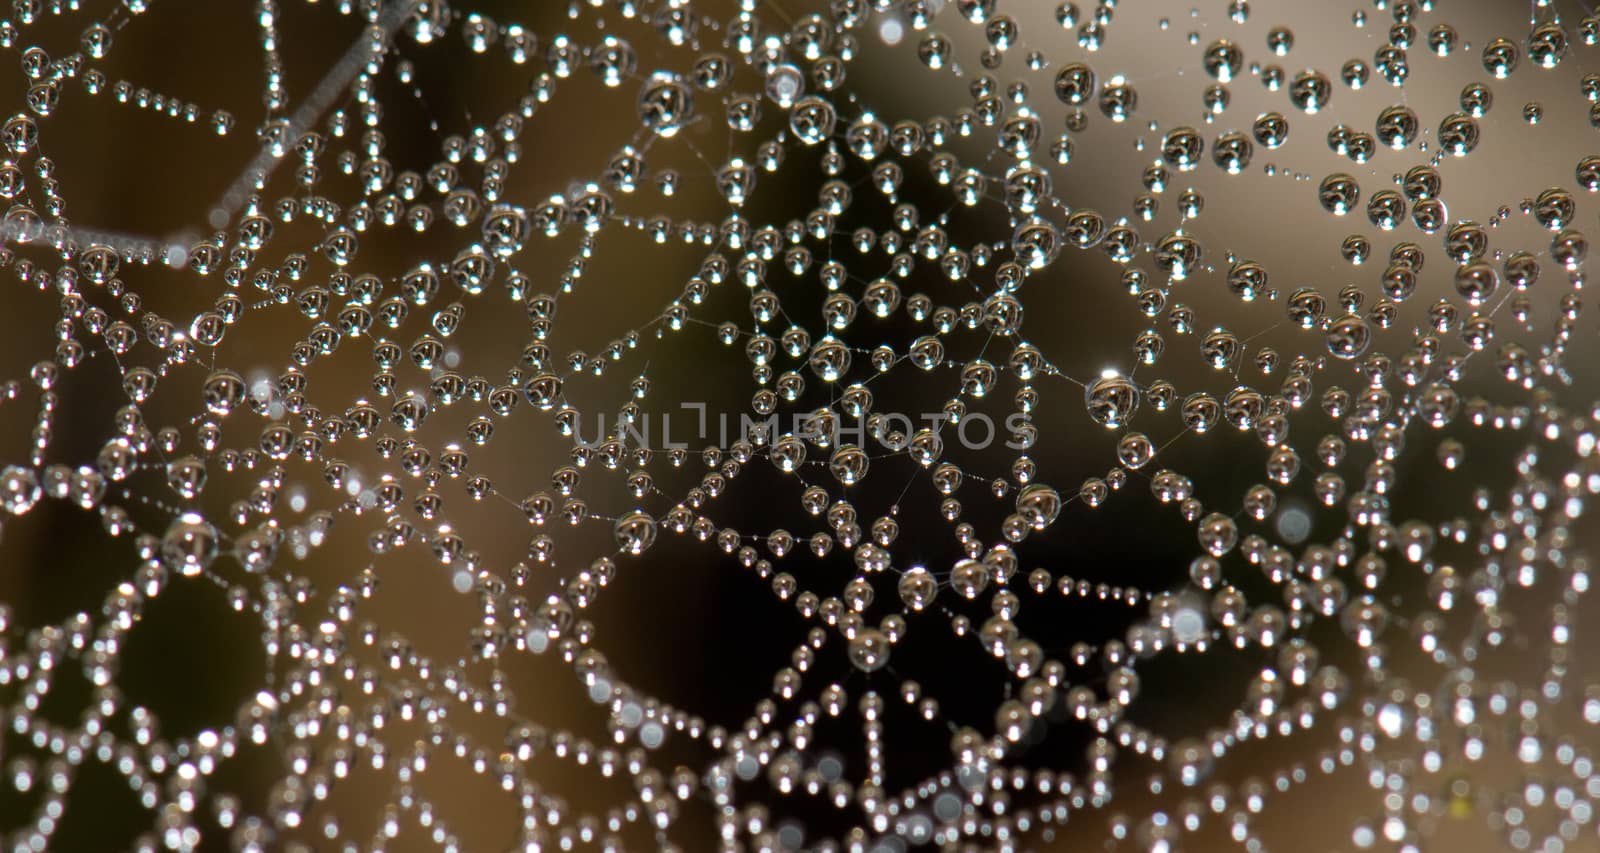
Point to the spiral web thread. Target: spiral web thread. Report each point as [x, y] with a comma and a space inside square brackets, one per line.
[838, 212]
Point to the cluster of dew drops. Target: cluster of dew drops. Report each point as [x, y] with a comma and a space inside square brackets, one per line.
[779, 77]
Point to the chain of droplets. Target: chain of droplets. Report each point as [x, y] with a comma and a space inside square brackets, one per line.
[323, 661]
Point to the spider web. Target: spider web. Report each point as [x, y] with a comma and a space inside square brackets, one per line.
[861, 425]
